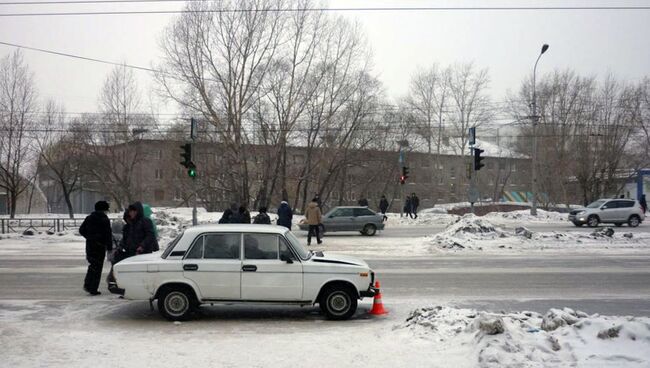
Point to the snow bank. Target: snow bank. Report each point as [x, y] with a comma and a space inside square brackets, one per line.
[524, 215]
[423, 219]
[561, 337]
[471, 232]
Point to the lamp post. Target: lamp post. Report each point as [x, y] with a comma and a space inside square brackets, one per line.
[535, 118]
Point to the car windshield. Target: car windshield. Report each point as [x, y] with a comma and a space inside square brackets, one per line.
[171, 245]
[303, 253]
[596, 204]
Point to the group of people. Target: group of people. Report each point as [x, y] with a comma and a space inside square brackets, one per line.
[138, 237]
[241, 215]
[411, 204]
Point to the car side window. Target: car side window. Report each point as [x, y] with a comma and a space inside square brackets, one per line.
[197, 249]
[362, 212]
[261, 246]
[343, 212]
[626, 204]
[221, 246]
[284, 249]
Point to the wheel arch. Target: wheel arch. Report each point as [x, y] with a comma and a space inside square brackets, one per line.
[337, 283]
[179, 285]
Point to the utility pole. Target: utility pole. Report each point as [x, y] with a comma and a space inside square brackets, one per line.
[535, 119]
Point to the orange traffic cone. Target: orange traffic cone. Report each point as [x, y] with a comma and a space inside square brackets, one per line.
[377, 305]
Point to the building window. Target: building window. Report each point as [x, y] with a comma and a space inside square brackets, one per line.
[502, 164]
[452, 172]
[298, 159]
[158, 174]
[177, 195]
[159, 155]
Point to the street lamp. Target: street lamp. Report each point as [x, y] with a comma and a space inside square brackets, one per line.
[535, 118]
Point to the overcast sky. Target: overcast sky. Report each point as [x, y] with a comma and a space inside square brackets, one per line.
[593, 42]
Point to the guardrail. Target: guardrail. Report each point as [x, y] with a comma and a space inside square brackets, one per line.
[51, 224]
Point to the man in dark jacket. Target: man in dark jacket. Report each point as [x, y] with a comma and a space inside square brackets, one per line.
[363, 202]
[415, 203]
[643, 203]
[407, 206]
[96, 228]
[262, 217]
[227, 217]
[383, 206]
[285, 215]
[137, 235]
[243, 215]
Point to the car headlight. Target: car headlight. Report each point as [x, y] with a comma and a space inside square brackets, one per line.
[581, 213]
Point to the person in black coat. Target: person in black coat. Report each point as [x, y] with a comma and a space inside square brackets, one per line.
[383, 206]
[243, 216]
[407, 206]
[96, 228]
[415, 203]
[285, 215]
[643, 203]
[227, 217]
[262, 217]
[138, 236]
[363, 202]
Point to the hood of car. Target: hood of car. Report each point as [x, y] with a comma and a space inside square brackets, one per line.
[575, 212]
[142, 258]
[334, 258]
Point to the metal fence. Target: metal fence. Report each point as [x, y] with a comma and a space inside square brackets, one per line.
[48, 224]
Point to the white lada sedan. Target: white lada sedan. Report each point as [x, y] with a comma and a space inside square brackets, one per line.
[243, 264]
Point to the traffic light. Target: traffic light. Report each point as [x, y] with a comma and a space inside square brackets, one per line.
[191, 170]
[477, 159]
[186, 155]
[405, 175]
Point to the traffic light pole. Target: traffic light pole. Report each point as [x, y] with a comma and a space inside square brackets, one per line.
[195, 220]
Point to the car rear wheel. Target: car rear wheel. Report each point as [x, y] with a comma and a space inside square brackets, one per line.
[592, 221]
[634, 221]
[338, 303]
[369, 230]
[176, 303]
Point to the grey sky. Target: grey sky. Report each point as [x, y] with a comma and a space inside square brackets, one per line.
[505, 42]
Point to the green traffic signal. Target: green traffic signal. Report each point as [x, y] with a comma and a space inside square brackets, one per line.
[191, 172]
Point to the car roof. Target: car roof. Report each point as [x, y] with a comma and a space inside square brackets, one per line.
[239, 228]
[617, 199]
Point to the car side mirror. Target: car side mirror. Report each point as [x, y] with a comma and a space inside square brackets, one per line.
[285, 258]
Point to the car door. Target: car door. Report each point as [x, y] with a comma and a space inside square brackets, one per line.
[341, 219]
[266, 277]
[213, 263]
[608, 211]
[363, 216]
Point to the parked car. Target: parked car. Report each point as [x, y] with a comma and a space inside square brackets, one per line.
[351, 218]
[612, 211]
[235, 263]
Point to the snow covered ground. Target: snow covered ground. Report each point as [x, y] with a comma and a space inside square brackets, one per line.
[106, 331]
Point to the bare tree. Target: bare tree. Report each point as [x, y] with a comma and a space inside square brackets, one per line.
[60, 152]
[112, 159]
[17, 103]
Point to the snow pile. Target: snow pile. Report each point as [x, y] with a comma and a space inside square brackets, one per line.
[561, 337]
[467, 230]
[524, 215]
[423, 219]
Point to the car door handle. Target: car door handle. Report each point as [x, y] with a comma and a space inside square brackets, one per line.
[190, 267]
[249, 268]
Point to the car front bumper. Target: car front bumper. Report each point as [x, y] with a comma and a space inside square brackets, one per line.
[578, 219]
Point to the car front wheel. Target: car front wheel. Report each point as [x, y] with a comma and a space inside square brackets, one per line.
[592, 221]
[634, 221]
[176, 304]
[338, 303]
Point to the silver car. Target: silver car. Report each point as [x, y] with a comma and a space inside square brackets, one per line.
[356, 218]
[612, 211]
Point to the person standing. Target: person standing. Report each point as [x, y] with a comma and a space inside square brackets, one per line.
[407, 206]
[363, 202]
[285, 215]
[226, 217]
[318, 201]
[383, 206]
[96, 228]
[314, 218]
[137, 235]
[244, 216]
[262, 217]
[415, 203]
[643, 203]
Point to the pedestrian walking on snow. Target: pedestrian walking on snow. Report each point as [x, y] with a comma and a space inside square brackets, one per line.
[643, 203]
[415, 203]
[262, 217]
[96, 229]
[285, 215]
[407, 206]
[313, 217]
[383, 207]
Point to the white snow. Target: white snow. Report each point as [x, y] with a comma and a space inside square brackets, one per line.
[561, 337]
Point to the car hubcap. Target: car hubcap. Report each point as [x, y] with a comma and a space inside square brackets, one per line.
[593, 222]
[176, 303]
[634, 222]
[338, 303]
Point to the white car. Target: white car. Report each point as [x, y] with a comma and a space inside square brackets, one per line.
[616, 211]
[233, 263]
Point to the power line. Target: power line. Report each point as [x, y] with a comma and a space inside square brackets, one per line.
[363, 9]
[94, 2]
